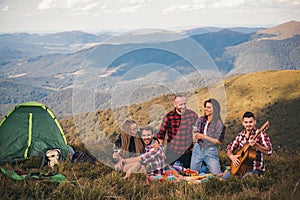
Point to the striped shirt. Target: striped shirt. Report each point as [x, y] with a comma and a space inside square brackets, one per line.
[179, 129]
[262, 139]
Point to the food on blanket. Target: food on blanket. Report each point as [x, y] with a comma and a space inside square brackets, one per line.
[173, 172]
[188, 175]
[189, 172]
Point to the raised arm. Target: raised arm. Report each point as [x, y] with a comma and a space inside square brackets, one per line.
[163, 130]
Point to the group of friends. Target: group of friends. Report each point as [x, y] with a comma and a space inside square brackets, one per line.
[190, 140]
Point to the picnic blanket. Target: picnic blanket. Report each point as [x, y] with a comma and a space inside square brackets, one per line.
[48, 177]
[175, 174]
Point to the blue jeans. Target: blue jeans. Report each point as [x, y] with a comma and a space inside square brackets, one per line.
[208, 155]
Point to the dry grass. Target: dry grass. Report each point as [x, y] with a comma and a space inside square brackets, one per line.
[272, 95]
[97, 181]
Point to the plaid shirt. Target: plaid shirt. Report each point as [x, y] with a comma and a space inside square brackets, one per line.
[179, 129]
[262, 139]
[216, 131]
[155, 159]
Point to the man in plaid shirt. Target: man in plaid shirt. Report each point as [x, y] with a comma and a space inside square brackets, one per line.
[153, 158]
[262, 144]
[178, 125]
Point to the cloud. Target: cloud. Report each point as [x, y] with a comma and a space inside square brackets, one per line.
[184, 7]
[4, 9]
[128, 9]
[110, 6]
[127, 6]
[198, 5]
[71, 5]
[134, 2]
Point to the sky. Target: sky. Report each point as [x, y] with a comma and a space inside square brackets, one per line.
[116, 15]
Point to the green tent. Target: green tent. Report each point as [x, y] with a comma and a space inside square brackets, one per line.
[27, 130]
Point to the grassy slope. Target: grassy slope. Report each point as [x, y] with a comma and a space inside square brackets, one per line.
[271, 95]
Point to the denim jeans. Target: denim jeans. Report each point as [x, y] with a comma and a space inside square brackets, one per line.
[208, 155]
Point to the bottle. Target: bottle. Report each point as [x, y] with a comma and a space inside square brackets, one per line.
[117, 150]
[195, 131]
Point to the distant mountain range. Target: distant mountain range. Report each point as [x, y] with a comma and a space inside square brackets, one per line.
[144, 64]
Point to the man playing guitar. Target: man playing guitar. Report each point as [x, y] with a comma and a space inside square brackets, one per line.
[260, 145]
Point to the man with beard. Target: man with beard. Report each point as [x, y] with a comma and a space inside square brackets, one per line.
[178, 126]
[261, 144]
[151, 162]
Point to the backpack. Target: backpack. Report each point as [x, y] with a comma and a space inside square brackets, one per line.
[79, 157]
[51, 157]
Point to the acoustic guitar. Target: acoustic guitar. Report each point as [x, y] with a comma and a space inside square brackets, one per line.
[247, 154]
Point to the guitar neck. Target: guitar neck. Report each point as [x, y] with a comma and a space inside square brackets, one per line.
[258, 131]
[256, 134]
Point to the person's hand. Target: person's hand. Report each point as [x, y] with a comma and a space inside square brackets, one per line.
[252, 143]
[119, 165]
[235, 159]
[116, 156]
[156, 145]
[199, 136]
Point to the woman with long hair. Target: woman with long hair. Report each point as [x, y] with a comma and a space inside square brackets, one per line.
[210, 132]
[128, 145]
[129, 141]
